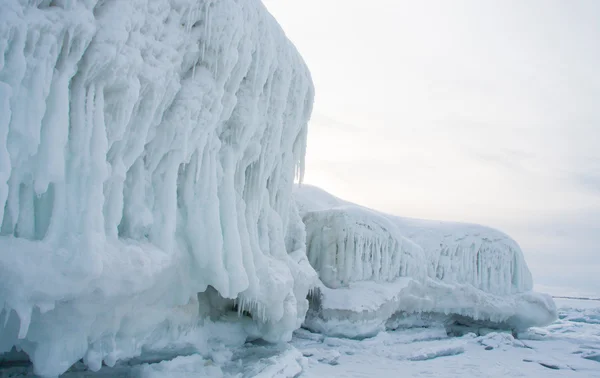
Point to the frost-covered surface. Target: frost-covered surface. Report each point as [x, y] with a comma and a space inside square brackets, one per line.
[148, 150]
[563, 349]
[366, 308]
[373, 265]
[560, 350]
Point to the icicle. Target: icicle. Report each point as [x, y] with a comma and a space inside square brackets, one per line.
[5, 167]
[205, 35]
[208, 23]
[25, 320]
[6, 312]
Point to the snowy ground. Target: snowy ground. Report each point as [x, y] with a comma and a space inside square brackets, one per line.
[568, 348]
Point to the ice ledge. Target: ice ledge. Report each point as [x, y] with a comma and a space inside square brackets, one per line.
[363, 309]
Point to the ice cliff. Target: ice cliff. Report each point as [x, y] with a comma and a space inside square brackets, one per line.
[378, 270]
[148, 150]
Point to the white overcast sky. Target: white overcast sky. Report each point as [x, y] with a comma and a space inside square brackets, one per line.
[477, 111]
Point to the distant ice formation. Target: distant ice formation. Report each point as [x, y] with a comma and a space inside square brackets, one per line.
[148, 150]
[377, 270]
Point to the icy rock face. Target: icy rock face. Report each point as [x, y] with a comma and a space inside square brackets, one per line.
[148, 150]
[373, 265]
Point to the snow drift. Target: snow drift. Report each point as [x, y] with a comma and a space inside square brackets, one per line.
[376, 270]
[148, 150]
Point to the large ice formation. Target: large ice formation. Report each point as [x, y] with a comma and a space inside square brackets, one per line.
[148, 150]
[376, 270]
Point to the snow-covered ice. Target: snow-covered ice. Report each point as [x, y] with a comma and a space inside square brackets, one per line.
[148, 150]
[365, 308]
[559, 350]
[371, 242]
[149, 225]
[373, 266]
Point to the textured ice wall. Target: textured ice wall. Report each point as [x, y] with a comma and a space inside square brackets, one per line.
[349, 243]
[148, 150]
[373, 265]
[470, 254]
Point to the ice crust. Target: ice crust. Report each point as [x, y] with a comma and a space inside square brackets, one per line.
[374, 267]
[148, 150]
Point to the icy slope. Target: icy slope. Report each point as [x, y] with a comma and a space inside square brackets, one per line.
[373, 266]
[147, 153]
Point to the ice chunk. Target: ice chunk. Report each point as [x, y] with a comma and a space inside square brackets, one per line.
[431, 353]
[287, 364]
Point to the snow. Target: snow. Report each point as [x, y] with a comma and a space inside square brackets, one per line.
[430, 352]
[148, 150]
[189, 366]
[562, 349]
[373, 266]
[285, 363]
